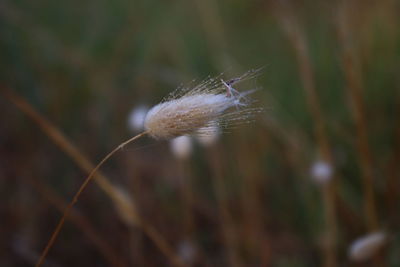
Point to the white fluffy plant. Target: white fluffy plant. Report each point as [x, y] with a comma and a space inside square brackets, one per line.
[367, 246]
[187, 110]
[213, 103]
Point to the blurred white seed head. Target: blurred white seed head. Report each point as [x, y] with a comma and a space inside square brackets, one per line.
[136, 118]
[365, 247]
[321, 172]
[181, 146]
[208, 136]
[124, 205]
[187, 251]
[213, 101]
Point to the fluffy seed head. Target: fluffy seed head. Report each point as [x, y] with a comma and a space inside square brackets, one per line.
[201, 107]
[367, 246]
[321, 172]
[187, 251]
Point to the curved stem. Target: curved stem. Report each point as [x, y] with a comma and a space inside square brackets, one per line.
[76, 196]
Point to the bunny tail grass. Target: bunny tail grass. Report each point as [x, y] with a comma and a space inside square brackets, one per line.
[76, 196]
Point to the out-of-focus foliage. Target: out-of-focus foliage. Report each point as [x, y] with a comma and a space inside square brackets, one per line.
[248, 200]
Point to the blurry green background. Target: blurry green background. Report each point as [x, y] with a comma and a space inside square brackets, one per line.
[330, 92]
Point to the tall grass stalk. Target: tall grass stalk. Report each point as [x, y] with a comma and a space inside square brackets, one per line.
[78, 193]
[354, 89]
[227, 225]
[187, 197]
[59, 203]
[253, 210]
[393, 183]
[297, 38]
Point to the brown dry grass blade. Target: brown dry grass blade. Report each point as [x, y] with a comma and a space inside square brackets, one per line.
[67, 146]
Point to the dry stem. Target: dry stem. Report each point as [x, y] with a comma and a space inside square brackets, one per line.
[108, 251]
[76, 196]
[60, 140]
[356, 104]
[228, 228]
[297, 39]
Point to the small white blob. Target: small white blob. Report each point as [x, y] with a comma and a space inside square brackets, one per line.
[181, 146]
[365, 247]
[321, 172]
[187, 251]
[136, 118]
